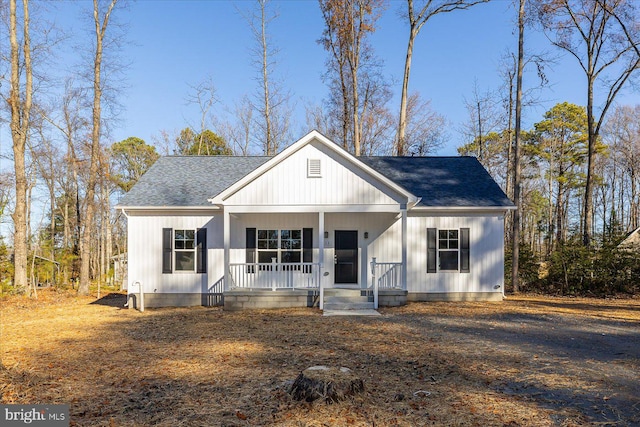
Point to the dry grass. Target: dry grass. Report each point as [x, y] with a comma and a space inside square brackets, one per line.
[528, 361]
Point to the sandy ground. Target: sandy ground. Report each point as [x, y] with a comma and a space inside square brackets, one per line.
[526, 361]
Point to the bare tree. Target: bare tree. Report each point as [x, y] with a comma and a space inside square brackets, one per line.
[272, 122]
[238, 133]
[516, 152]
[20, 103]
[101, 22]
[606, 51]
[623, 133]
[204, 96]
[425, 131]
[484, 119]
[427, 10]
[347, 26]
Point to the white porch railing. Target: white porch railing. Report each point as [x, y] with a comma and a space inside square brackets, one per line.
[275, 275]
[385, 275]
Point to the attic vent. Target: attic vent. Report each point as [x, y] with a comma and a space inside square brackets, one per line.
[313, 168]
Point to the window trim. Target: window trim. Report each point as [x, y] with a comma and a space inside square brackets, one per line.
[185, 250]
[169, 251]
[252, 251]
[279, 250]
[434, 250]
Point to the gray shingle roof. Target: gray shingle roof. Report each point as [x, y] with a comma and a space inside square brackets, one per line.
[188, 180]
[442, 181]
[184, 181]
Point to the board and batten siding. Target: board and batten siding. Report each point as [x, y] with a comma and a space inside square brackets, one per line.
[145, 253]
[287, 183]
[486, 253]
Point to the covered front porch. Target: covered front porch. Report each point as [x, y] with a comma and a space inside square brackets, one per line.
[299, 258]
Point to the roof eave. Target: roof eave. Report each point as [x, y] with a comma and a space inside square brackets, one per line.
[165, 208]
[460, 209]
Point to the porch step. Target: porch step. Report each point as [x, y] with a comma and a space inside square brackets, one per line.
[342, 292]
[347, 305]
[346, 299]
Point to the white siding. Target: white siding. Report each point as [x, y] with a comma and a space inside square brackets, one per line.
[145, 253]
[486, 255]
[288, 184]
[383, 242]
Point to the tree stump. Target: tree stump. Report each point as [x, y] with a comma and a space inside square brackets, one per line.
[330, 384]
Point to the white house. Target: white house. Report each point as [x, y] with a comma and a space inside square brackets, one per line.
[312, 226]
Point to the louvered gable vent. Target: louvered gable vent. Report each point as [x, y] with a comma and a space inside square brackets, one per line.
[313, 168]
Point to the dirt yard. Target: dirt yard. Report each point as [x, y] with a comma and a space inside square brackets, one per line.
[527, 361]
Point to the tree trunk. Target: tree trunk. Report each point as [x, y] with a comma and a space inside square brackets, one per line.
[271, 150]
[20, 123]
[402, 126]
[588, 189]
[516, 154]
[327, 383]
[85, 247]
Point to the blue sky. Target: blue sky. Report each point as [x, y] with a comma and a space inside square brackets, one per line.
[174, 44]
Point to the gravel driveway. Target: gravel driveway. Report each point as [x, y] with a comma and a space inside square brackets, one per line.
[581, 361]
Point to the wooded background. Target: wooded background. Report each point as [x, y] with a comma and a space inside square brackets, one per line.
[574, 174]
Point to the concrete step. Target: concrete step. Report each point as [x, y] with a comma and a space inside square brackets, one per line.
[342, 299]
[349, 305]
[343, 292]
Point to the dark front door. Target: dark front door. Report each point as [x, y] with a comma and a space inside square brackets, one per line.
[346, 257]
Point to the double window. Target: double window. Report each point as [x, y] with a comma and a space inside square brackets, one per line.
[288, 246]
[184, 250]
[282, 245]
[448, 250]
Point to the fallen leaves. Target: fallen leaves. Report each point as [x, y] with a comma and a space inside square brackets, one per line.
[202, 366]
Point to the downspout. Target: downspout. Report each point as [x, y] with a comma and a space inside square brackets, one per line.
[126, 304]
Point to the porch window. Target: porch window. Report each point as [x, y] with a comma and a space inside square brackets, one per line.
[184, 250]
[283, 245]
[286, 246]
[448, 250]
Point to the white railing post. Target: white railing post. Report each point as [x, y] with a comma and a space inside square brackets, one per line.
[273, 274]
[374, 283]
[321, 286]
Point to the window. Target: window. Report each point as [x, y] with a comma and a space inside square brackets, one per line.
[286, 246]
[448, 250]
[184, 250]
[283, 245]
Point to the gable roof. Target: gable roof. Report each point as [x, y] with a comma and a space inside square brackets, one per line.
[443, 181]
[188, 181]
[436, 182]
[326, 143]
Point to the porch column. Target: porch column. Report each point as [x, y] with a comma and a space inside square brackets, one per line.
[321, 256]
[403, 277]
[226, 234]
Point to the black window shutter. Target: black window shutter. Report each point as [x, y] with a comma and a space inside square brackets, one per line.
[167, 250]
[250, 244]
[431, 250]
[464, 250]
[307, 248]
[307, 245]
[201, 253]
